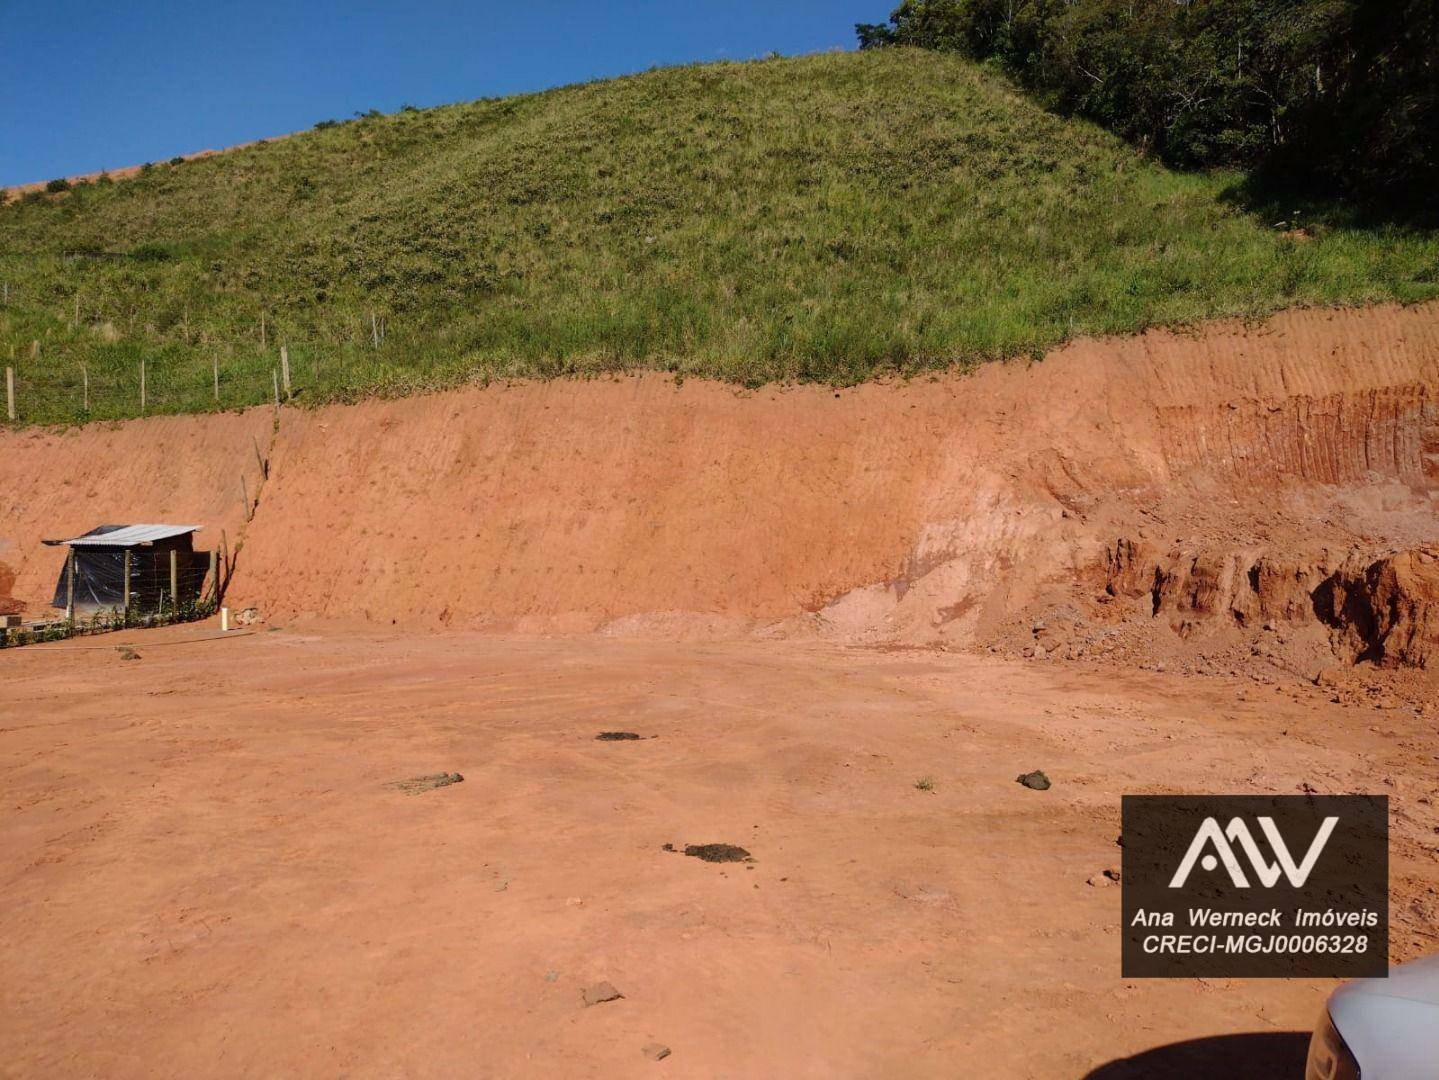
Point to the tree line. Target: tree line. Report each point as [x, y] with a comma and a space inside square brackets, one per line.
[1340, 97]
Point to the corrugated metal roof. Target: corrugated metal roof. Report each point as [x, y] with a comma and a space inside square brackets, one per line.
[127, 535]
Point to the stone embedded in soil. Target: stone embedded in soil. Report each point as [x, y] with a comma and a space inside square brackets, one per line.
[127, 653]
[417, 785]
[616, 736]
[1035, 781]
[717, 852]
[656, 1051]
[599, 993]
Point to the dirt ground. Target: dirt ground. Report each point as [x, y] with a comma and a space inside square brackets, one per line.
[205, 872]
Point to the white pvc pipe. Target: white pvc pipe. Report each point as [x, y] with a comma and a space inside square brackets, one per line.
[224, 620]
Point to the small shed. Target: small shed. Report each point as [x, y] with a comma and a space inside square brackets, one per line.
[131, 567]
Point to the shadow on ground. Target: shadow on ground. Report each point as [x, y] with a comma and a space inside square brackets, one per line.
[1254, 1056]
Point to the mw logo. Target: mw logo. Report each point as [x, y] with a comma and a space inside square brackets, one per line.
[1237, 832]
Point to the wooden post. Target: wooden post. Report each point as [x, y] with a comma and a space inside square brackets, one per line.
[142, 387]
[214, 577]
[260, 459]
[127, 581]
[10, 393]
[262, 330]
[285, 370]
[35, 349]
[374, 329]
[75, 322]
[215, 371]
[174, 580]
[85, 377]
[70, 587]
[275, 378]
[245, 495]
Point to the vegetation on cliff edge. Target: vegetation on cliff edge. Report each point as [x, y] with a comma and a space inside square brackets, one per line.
[833, 217]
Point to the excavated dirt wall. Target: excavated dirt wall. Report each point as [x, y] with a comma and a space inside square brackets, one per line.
[1186, 485]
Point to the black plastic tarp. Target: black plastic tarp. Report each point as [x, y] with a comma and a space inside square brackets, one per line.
[100, 577]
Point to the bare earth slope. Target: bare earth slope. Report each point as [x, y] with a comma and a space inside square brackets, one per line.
[934, 511]
[1185, 488]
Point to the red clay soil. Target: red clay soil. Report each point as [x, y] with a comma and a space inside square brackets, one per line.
[922, 512]
[206, 872]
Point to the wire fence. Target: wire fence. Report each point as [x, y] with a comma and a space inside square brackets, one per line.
[87, 368]
[43, 393]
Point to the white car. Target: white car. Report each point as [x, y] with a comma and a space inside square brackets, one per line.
[1380, 1029]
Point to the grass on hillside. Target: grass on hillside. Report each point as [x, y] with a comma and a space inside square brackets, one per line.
[832, 218]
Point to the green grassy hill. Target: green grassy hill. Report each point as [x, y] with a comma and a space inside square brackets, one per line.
[832, 217]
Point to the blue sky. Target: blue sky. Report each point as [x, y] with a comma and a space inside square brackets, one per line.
[89, 84]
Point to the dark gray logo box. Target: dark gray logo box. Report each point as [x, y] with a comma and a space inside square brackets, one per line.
[1254, 929]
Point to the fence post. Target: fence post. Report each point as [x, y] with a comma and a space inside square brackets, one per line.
[214, 577]
[374, 329]
[142, 387]
[285, 370]
[275, 379]
[174, 581]
[215, 368]
[245, 495]
[70, 587]
[10, 393]
[127, 584]
[85, 375]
